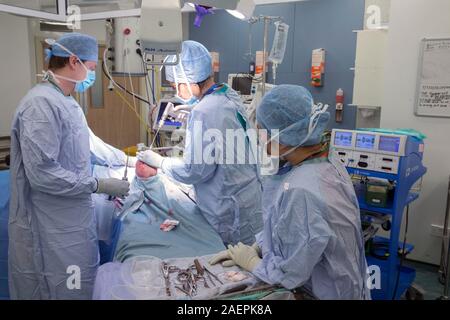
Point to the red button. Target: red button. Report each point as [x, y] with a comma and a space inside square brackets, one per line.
[126, 31]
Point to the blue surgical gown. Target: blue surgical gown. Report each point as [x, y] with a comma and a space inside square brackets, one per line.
[150, 203]
[102, 154]
[228, 193]
[53, 248]
[312, 233]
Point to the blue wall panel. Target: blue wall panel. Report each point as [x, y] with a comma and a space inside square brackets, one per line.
[327, 24]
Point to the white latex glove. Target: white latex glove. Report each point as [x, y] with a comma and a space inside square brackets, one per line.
[179, 113]
[150, 158]
[224, 257]
[244, 256]
[258, 249]
[113, 187]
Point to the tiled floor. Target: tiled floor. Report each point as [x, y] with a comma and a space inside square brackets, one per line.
[427, 279]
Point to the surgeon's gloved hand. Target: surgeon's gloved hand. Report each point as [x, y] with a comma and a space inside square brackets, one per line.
[150, 158]
[244, 256]
[180, 112]
[113, 187]
[224, 257]
[258, 249]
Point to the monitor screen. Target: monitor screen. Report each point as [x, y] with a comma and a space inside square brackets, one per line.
[169, 121]
[390, 144]
[365, 141]
[343, 139]
[242, 84]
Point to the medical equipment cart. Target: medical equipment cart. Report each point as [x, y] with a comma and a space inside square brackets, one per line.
[396, 159]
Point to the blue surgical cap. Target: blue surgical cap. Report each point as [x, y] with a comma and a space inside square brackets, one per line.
[196, 61]
[83, 46]
[288, 108]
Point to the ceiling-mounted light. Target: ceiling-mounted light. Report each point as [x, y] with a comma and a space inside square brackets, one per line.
[236, 14]
[241, 9]
[244, 9]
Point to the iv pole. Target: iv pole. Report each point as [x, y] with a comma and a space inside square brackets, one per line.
[266, 32]
[267, 20]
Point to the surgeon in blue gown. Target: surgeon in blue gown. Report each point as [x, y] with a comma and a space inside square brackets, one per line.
[312, 235]
[53, 248]
[228, 193]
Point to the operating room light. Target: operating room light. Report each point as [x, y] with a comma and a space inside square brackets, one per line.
[236, 14]
[240, 9]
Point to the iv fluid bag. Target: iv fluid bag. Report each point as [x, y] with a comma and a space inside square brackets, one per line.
[279, 42]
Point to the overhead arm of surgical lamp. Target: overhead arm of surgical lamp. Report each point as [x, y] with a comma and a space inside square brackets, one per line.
[161, 26]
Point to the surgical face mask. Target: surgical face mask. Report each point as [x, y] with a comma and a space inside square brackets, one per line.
[269, 163]
[83, 85]
[188, 102]
[192, 100]
[270, 166]
[80, 85]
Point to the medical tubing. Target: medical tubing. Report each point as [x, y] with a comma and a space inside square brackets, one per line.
[131, 108]
[108, 75]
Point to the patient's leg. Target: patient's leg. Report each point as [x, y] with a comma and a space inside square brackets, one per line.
[144, 171]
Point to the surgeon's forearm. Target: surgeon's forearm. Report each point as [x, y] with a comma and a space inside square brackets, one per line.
[295, 269]
[187, 173]
[104, 153]
[259, 239]
[113, 159]
[55, 180]
[269, 270]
